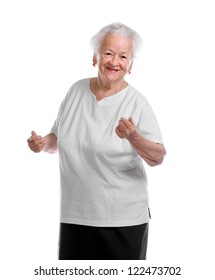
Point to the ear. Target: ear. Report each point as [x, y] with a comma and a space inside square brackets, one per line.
[94, 60]
[130, 66]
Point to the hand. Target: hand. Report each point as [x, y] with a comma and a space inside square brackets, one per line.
[36, 143]
[126, 129]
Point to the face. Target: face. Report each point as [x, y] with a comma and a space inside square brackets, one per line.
[114, 58]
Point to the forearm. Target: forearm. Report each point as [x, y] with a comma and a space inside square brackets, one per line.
[51, 143]
[152, 153]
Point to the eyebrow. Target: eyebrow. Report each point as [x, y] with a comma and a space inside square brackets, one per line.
[124, 52]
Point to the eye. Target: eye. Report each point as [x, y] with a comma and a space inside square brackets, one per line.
[123, 57]
[108, 53]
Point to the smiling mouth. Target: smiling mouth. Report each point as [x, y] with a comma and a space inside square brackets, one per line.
[112, 69]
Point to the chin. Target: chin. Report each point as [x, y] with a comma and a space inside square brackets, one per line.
[113, 77]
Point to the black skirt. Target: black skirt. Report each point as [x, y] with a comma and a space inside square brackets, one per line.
[78, 242]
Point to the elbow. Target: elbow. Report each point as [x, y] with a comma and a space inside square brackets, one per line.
[161, 156]
[154, 162]
[158, 159]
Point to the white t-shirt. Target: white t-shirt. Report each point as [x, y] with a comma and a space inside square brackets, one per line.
[103, 181]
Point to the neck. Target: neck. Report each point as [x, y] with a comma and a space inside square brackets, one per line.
[102, 89]
[109, 86]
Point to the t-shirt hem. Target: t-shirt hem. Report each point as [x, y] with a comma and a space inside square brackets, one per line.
[105, 224]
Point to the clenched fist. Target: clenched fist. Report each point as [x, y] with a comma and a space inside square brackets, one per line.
[36, 142]
[126, 129]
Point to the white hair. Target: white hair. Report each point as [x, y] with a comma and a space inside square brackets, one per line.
[117, 28]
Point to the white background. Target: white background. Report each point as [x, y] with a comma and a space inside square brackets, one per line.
[44, 49]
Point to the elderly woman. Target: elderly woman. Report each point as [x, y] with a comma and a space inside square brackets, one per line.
[103, 130]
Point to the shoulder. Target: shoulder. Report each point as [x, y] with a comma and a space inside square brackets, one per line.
[80, 84]
[77, 87]
[139, 99]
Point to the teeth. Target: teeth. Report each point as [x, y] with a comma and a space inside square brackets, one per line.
[111, 69]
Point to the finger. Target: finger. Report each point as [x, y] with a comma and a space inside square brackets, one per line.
[36, 143]
[32, 139]
[118, 132]
[125, 122]
[33, 135]
[37, 148]
[122, 126]
[131, 121]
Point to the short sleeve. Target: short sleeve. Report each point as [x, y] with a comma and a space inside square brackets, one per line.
[55, 127]
[148, 125]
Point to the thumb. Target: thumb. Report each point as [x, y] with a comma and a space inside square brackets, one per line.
[34, 135]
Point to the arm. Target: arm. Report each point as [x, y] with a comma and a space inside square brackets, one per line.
[38, 143]
[152, 153]
[51, 143]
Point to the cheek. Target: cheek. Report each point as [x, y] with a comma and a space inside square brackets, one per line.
[126, 67]
[102, 63]
[102, 60]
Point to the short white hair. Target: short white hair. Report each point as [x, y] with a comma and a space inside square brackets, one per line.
[117, 28]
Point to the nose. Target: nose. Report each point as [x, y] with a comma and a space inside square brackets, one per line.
[114, 60]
